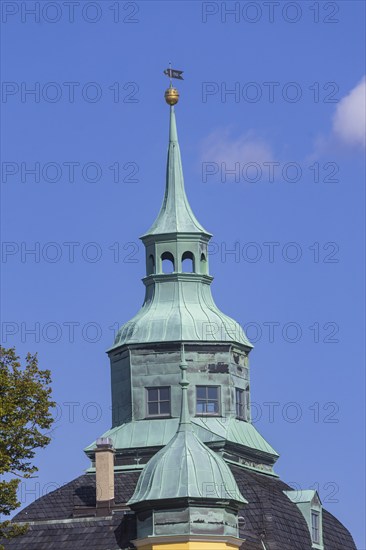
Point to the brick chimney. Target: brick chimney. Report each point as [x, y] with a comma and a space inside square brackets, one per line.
[104, 476]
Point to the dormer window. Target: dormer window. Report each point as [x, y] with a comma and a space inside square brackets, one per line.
[315, 526]
[309, 504]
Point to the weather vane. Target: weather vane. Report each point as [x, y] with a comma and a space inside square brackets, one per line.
[172, 94]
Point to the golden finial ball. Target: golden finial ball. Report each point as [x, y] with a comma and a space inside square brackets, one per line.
[171, 96]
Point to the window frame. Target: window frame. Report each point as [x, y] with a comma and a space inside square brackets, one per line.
[159, 401]
[315, 529]
[207, 400]
[242, 404]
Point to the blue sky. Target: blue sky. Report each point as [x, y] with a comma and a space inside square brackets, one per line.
[95, 134]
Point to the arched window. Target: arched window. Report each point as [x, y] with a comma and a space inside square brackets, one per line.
[188, 262]
[203, 263]
[150, 265]
[167, 262]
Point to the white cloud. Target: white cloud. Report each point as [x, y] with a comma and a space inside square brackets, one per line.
[349, 121]
[221, 147]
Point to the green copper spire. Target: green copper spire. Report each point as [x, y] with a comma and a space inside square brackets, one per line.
[175, 215]
[173, 134]
[178, 303]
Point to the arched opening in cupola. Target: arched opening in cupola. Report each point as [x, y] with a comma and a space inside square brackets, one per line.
[150, 265]
[188, 262]
[167, 262]
[203, 264]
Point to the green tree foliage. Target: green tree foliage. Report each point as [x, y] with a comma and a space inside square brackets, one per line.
[25, 417]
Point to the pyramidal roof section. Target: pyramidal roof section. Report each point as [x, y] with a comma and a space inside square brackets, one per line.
[175, 215]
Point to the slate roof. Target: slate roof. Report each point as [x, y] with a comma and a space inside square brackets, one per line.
[269, 516]
[60, 504]
[93, 534]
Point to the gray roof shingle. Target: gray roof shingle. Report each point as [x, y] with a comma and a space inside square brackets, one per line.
[269, 516]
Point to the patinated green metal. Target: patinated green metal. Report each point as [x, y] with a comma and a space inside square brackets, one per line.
[186, 467]
[175, 215]
[158, 432]
[179, 308]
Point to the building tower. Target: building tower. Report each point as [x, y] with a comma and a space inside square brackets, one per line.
[186, 496]
[182, 467]
[179, 308]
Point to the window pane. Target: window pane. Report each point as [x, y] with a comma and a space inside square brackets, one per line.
[152, 394]
[201, 392]
[238, 395]
[164, 407]
[201, 407]
[164, 394]
[212, 407]
[212, 392]
[153, 408]
[240, 403]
